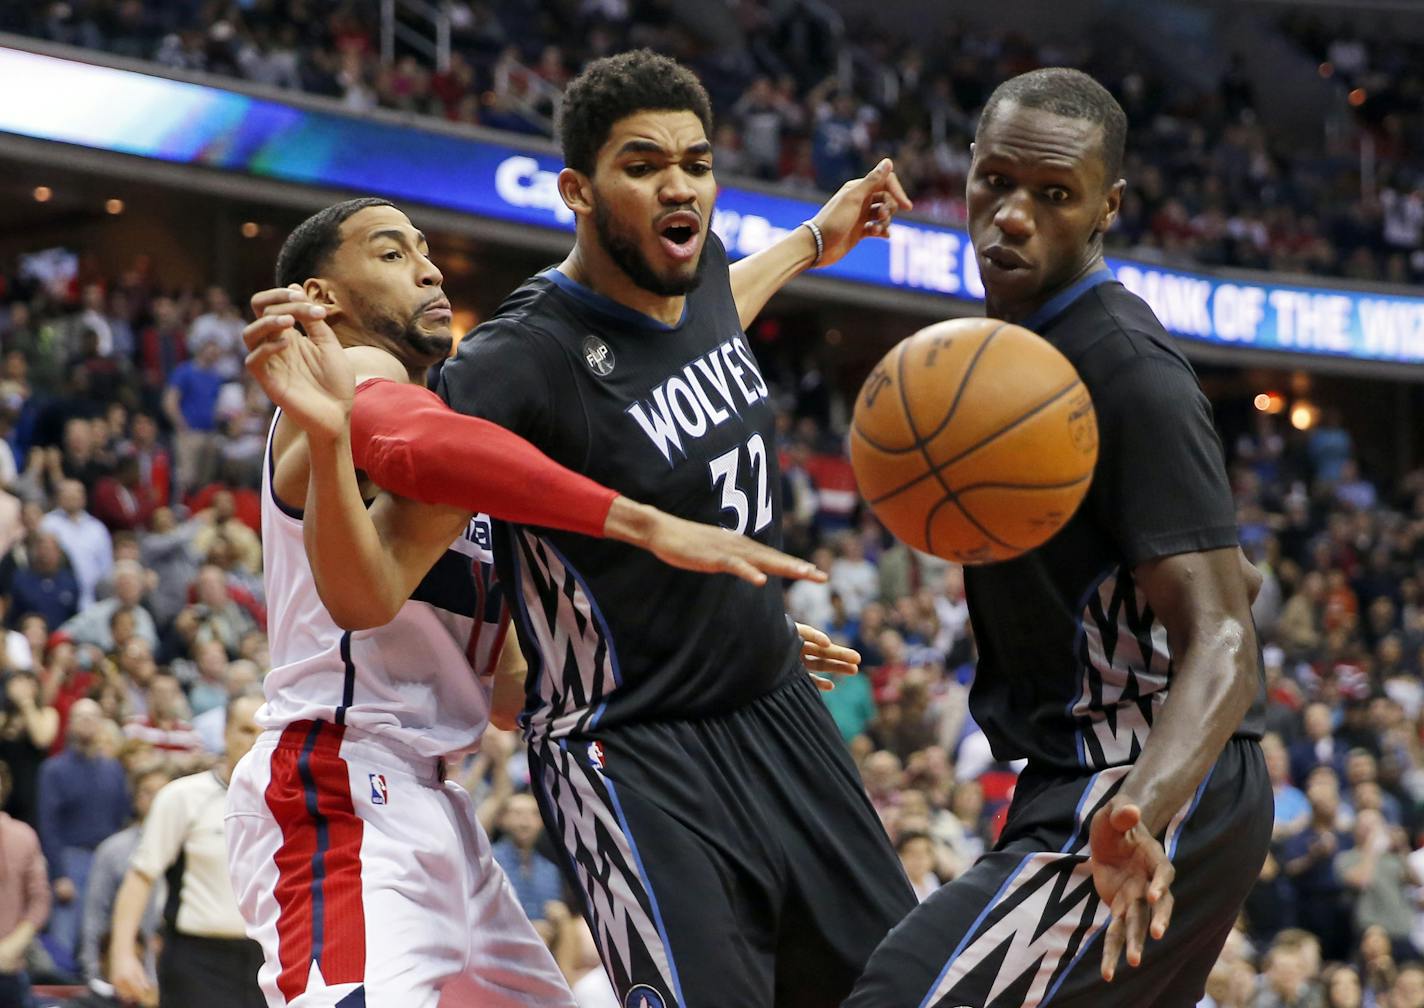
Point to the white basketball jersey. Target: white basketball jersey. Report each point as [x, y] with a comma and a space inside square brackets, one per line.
[423, 680]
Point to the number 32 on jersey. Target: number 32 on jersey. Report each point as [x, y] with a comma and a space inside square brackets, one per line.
[727, 470]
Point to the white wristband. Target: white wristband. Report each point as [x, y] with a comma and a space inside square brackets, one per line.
[815, 230]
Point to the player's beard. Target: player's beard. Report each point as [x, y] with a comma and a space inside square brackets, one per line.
[623, 249]
[404, 334]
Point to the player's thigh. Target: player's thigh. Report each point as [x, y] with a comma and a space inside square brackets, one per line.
[845, 888]
[507, 964]
[344, 893]
[671, 916]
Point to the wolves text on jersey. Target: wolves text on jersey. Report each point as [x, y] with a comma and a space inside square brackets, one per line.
[700, 397]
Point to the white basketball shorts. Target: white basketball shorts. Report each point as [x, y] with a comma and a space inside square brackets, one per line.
[368, 882]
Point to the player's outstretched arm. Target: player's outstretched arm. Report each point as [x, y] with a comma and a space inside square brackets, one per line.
[863, 207]
[1202, 599]
[410, 442]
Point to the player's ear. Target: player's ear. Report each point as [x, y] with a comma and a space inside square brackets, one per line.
[319, 291]
[576, 190]
[1112, 203]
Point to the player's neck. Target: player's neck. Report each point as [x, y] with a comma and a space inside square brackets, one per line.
[1017, 311]
[602, 275]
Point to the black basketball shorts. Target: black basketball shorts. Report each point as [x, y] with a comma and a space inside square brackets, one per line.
[726, 862]
[1023, 927]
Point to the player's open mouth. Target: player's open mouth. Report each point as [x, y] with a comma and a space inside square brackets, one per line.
[680, 234]
[1003, 259]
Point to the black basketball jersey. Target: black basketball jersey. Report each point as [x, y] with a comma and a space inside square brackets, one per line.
[673, 416]
[1073, 662]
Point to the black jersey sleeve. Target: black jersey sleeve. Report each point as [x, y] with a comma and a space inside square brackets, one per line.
[1160, 486]
[501, 374]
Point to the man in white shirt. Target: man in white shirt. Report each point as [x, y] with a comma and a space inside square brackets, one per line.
[207, 958]
[83, 538]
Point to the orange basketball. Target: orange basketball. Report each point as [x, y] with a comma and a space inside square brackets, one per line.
[974, 440]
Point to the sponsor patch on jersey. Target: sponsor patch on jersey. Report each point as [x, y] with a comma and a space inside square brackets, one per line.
[597, 356]
[379, 793]
[595, 755]
[643, 996]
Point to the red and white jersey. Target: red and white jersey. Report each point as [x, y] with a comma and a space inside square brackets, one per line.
[423, 680]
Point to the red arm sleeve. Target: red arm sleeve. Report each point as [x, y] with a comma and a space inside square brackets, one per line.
[408, 441]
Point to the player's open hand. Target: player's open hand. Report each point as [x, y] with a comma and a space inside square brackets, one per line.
[306, 374]
[708, 549]
[862, 207]
[1133, 877]
[823, 657]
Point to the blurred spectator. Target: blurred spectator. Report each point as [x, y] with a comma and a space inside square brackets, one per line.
[94, 624]
[83, 537]
[83, 799]
[45, 587]
[190, 403]
[24, 901]
[123, 500]
[164, 727]
[1379, 877]
[207, 957]
[1309, 861]
[169, 551]
[28, 727]
[221, 522]
[111, 862]
[536, 879]
[220, 327]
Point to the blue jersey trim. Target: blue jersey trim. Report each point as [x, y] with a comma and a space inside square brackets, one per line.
[590, 298]
[323, 841]
[1060, 302]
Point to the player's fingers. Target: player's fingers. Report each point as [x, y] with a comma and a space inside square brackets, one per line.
[274, 295]
[301, 309]
[819, 664]
[1124, 817]
[1162, 878]
[1162, 914]
[892, 182]
[1112, 947]
[822, 683]
[254, 334]
[812, 636]
[740, 568]
[775, 562]
[258, 357]
[838, 652]
[1136, 931]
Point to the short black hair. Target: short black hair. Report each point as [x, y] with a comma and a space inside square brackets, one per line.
[1074, 95]
[615, 87]
[307, 248]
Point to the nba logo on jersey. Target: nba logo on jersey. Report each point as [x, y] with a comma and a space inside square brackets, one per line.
[595, 755]
[643, 996]
[597, 356]
[378, 788]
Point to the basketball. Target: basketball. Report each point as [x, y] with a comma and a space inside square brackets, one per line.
[974, 440]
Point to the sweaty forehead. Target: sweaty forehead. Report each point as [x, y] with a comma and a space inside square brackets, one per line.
[673, 131]
[1034, 137]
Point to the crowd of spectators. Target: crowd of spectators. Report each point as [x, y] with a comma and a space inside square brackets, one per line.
[805, 104]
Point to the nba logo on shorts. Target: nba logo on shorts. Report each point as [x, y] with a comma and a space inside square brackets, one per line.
[378, 788]
[595, 755]
[597, 356]
[643, 996]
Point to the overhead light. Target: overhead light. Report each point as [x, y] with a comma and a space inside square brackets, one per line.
[1326, 69]
[1357, 97]
[1269, 402]
[1303, 415]
[250, 229]
[43, 193]
[114, 206]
